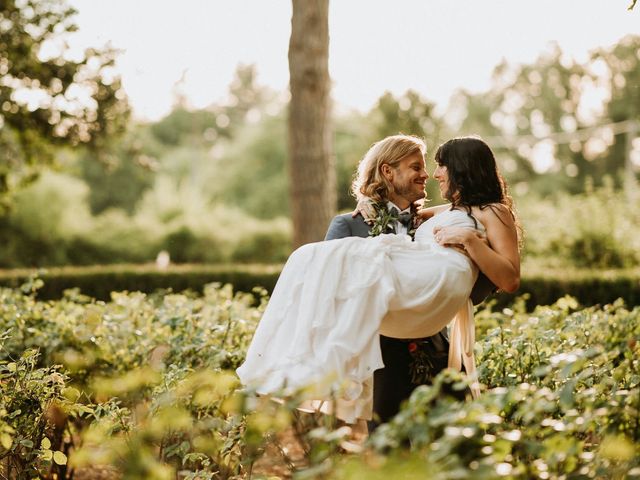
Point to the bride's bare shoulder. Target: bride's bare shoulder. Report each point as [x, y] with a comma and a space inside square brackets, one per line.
[426, 213]
[492, 212]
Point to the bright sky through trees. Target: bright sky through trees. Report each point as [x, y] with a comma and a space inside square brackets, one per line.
[432, 46]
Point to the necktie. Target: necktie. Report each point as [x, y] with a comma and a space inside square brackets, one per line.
[404, 218]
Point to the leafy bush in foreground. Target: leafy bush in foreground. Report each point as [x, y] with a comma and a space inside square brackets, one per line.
[562, 400]
[144, 384]
[142, 370]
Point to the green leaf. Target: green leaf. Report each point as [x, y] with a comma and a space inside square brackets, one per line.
[567, 394]
[72, 394]
[46, 444]
[6, 441]
[60, 458]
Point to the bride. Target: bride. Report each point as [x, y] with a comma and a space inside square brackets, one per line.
[320, 329]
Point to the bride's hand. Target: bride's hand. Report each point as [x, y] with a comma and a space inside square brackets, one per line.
[366, 208]
[457, 236]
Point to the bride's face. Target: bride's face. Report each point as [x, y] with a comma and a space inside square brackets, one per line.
[441, 174]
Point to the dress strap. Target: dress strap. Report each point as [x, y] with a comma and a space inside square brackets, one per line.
[461, 343]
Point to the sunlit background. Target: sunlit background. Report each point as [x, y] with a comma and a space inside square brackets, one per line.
[198, 171]
[434, 47]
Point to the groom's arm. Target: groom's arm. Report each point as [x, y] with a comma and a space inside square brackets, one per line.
[482, 289]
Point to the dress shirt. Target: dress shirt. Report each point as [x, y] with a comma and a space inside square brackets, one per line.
[399, 227]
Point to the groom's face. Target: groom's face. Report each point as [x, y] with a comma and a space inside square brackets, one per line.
[408, 178]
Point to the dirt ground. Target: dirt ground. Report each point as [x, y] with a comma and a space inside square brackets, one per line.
[96, 473]
[281, 458]
[273, 463]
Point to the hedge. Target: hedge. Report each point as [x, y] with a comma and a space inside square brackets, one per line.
[589, 287]
[100, 280]
[543, 287]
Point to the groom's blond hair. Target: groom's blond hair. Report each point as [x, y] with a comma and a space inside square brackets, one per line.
[369, 181]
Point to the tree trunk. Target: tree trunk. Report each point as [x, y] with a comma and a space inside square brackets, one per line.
[311, 165]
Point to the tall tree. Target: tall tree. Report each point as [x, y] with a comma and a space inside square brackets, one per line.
[311, 163]
[48, 98]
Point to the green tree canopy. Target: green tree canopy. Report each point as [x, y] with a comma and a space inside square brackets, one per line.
[556, 122]
[48, 97]
[409, 113]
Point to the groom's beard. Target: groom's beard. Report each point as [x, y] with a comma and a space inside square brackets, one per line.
[409, 192]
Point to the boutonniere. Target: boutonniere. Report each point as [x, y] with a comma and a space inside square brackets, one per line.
[385, 219]
[422, 367]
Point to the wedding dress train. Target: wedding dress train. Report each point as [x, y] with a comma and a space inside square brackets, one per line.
[321, 327]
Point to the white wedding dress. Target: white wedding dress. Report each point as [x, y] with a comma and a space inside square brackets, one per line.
[321, 327]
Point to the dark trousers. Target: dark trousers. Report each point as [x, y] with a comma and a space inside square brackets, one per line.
[393, 384]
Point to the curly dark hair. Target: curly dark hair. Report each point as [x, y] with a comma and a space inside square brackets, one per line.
[474, 179]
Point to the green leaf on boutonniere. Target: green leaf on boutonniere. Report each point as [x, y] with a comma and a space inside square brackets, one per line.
[383, 222]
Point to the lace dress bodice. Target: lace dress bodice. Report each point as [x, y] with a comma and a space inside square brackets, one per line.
[448, 218]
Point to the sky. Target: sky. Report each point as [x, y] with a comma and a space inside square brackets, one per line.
[432, 46]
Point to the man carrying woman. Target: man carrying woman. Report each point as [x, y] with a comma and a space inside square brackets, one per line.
[336, 301]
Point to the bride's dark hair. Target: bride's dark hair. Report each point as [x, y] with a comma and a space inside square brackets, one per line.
[474, 179]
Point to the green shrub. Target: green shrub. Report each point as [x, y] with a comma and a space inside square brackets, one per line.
[543, 286]
[144, 384]
[44, 217]
[266, 247]
[597, 250]
[597, 229]
[34, 409]
[561, 401]
[87, 251]
[184, 246]
[50, 226]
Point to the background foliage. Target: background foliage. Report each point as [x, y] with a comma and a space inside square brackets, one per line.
[47, 98]
[211, 185]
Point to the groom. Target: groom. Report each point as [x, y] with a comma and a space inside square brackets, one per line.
[398, 177]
